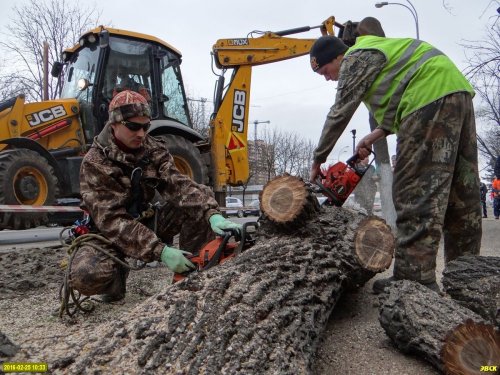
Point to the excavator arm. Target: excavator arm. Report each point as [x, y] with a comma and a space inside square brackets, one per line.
[268, 48]
[229, 123]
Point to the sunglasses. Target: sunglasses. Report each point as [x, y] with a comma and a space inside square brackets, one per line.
[135, 126]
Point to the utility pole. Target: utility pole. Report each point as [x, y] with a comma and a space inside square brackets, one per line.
[203, 101]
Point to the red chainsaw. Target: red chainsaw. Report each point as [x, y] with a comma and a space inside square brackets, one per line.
[340, 179]
[220, 250]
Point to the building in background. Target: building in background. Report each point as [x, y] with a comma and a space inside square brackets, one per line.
[258, 169]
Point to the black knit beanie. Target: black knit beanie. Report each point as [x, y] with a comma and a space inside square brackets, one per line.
[325, 49]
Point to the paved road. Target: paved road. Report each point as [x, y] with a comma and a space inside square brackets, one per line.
[44, 236]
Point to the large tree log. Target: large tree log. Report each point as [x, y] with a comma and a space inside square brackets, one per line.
[451, 337]
[474, 282]
[261, 312]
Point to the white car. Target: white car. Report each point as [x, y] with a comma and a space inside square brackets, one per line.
[232, 202]
[253, 209]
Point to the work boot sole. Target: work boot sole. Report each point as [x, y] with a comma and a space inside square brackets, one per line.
[380, 284]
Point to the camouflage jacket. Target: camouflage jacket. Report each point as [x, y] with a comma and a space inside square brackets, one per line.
[105, 186]
[357, 73]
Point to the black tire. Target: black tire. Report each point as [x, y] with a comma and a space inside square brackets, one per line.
[240, 213]
[25, 178]
[187, 158]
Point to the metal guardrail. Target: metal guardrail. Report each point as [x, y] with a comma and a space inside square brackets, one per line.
[28, 208]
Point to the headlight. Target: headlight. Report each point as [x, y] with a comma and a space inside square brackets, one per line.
[92, 38]
[82, 84]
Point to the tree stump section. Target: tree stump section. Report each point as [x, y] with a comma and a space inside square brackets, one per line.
[451, 337]
[288, 201]
[474, 282]
[261, 312]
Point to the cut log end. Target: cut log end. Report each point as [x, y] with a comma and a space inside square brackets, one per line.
[285, 198]
[374, 244]
[472, 348]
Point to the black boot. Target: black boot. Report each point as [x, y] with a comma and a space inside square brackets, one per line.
[380, 284]
[108, 298]
[433, 286]
[116, 291]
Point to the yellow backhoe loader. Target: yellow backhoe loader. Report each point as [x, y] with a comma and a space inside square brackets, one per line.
[42, 144]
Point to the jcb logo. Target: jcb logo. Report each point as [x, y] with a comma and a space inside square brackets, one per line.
[238, 123]
[488, 368]
[45, 115]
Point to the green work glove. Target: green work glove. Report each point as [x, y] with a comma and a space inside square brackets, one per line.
[175, 260]
[219, 224]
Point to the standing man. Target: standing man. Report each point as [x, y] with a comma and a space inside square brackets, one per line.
[484, 190]
[372, 26]
[495, 190]
[119, 177]
[414, 90]
[364, 193]
[497, 167]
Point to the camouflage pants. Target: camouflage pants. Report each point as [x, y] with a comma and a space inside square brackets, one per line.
[496, 207]
[435, 187]
[93, 272]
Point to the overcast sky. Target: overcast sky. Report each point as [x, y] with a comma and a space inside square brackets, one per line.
[288, 94]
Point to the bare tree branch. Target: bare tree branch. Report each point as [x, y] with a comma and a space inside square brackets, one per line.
[484, 72]
[57, 22]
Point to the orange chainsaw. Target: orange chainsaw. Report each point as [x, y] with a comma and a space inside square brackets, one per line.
[219, 250]
[340, 179]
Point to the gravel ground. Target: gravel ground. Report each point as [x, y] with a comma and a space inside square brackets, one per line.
[353, 343]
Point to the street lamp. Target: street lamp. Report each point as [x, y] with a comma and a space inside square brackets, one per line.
[353, 131]
[412, 10]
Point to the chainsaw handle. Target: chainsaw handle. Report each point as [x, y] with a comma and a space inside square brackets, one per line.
[228, 233]
[245, 237]
[355, 158]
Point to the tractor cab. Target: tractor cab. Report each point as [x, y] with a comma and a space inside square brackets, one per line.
[106, 61]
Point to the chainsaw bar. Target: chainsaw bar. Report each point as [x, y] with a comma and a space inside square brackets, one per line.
[220, 249]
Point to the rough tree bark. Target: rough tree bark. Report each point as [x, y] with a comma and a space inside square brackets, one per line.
[453, 338]
[474, 282]
[259, 313]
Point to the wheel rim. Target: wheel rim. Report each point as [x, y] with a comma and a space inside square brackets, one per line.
[30, 186]
[183, 166]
